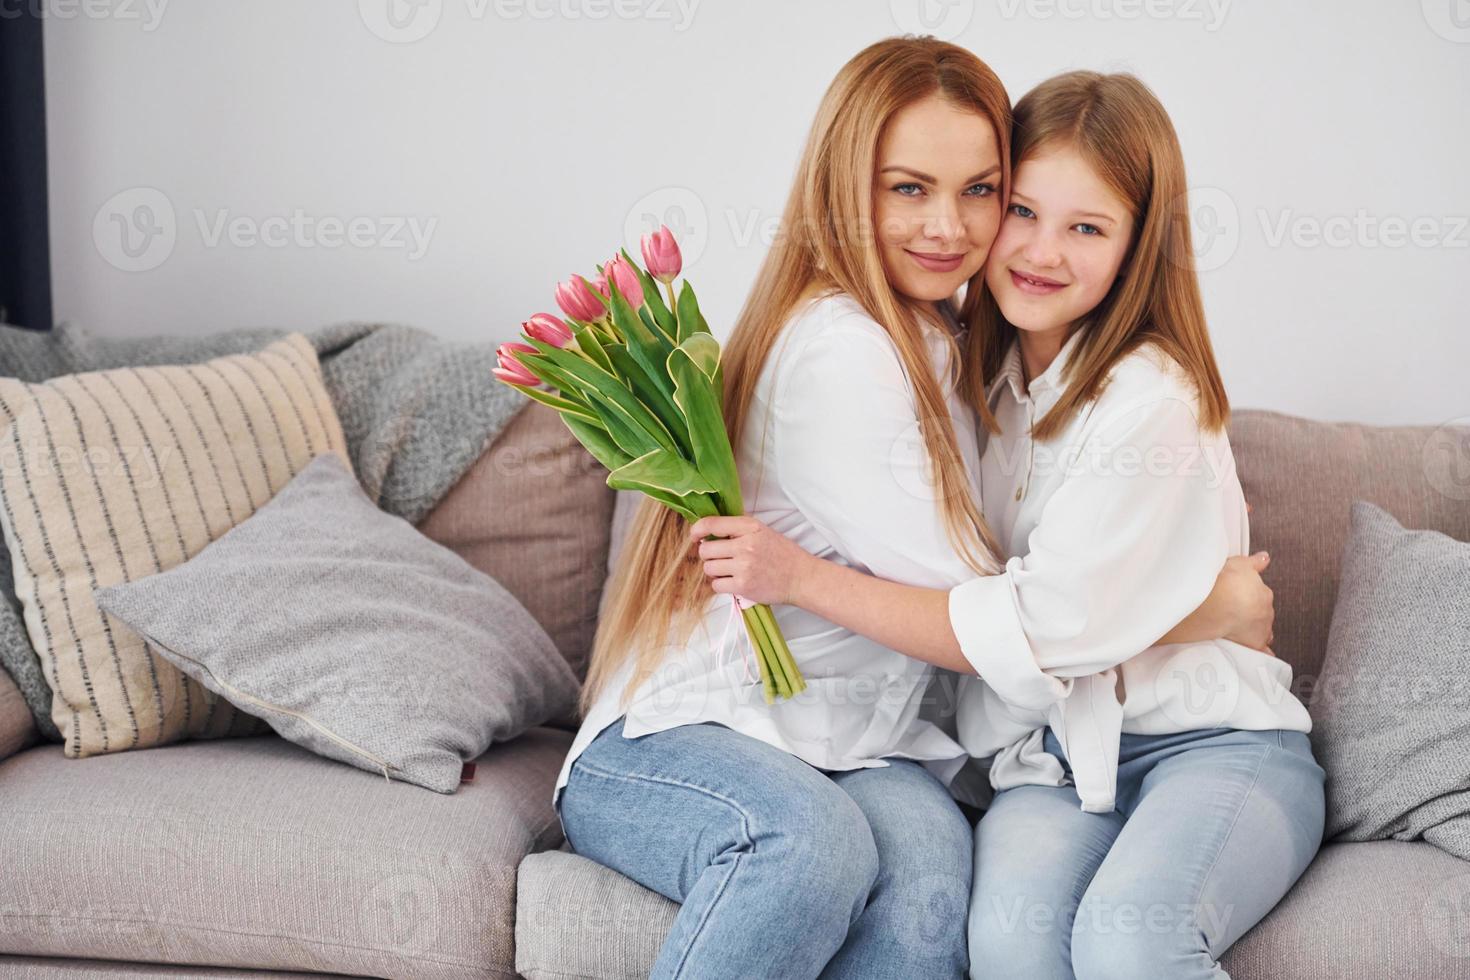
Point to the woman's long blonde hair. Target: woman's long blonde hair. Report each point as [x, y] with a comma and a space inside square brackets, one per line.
[1122, 132]
[827, 242]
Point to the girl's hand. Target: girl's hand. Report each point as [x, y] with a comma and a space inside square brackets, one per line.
[1240, 607]
[749, 559]
[1246, 602]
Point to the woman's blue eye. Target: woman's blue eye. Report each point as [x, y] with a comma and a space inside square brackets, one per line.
[1022, 211]
[1087, 229]
[976, 190]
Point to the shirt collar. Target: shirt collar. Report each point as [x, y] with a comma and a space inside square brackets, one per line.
[1010, 373]
[1049, 381]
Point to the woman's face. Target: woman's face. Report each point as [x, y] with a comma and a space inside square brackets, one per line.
[935, 197]
[1061, 245]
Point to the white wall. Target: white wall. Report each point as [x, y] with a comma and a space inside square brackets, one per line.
[525, 139]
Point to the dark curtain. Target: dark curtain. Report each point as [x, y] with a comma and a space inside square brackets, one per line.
[25, 261]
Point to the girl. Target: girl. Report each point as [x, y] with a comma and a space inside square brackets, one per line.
[787, 831]
[1154, 799]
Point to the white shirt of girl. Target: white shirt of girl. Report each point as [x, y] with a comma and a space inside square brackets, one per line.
[1114, 531]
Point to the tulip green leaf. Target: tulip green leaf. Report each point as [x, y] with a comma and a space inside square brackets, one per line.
[562, 405]
[597, 442]
[695, 394]
[652, 395]
[547, 372]
[662, 471]
[591, 346]
[691, 321]
[652, 325]
[605, 451]
[630, 437]
[704, 351]
[662, 317]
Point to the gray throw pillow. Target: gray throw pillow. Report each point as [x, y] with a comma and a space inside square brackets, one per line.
[352, 634]
[1391, 713]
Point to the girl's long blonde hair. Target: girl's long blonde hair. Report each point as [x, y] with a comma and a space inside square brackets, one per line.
[1122, 132]
[826, 242]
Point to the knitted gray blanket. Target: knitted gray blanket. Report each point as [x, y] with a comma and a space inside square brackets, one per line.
[417, 411]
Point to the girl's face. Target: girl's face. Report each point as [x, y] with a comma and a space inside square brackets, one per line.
[1061, 245]
[935, 197]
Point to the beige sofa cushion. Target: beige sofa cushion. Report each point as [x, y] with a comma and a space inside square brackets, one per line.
[256, 853]
[109, 476]
[70, 968]
[1301, 477]
[535, 513]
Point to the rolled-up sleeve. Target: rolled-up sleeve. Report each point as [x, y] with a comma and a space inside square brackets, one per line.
[1129, 544]
[851, 459]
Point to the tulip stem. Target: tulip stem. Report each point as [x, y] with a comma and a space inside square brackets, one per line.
[780, 677]
[781, 657]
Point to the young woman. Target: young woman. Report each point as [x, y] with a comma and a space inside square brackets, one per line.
[1154, 799]
[817, 836]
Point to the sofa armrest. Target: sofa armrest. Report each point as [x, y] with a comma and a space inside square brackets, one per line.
[17, 729]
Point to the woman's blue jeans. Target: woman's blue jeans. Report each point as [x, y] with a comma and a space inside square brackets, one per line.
[1211, 829]
[783, 870]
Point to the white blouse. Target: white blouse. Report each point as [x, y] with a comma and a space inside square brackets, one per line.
[831, 457]
[1115, 530]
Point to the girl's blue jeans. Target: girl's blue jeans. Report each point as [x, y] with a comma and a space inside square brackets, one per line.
[1211, 829]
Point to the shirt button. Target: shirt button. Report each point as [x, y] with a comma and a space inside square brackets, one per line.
[1018, 493]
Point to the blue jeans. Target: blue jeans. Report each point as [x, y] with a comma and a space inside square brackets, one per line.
[782, 869]
[1210, 831]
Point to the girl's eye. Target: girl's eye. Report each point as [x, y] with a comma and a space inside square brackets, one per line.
[1087, 229]
[900, 189]
[982, 190]
[1022, 211]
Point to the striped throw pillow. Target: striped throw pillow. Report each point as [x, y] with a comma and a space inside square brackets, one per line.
[111, 476]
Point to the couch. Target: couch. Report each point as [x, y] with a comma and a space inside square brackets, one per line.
[218, 858]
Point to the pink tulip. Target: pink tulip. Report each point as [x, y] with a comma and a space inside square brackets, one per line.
[548, 329]
[576, 299]
[661, 255]
[514, 377]
[511, 370]
[626, 279]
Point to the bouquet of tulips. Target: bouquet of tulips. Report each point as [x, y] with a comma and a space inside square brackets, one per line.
[637, 380]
